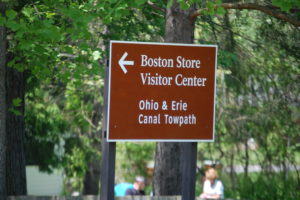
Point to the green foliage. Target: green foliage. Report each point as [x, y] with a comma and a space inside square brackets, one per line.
[148, 24]
[170, 3]
[52, 42]
[286, 5]
[140, 2]
[227, 59]
[16, 102]
[256, 109]
[46, 131]
[14, 106]
[75, 171]
[263, 186]
[11, 14]
[213, 7]
[184, 5]
[52, 29]
[59, 44]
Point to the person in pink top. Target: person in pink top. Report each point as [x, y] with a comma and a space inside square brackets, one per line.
[212, 187]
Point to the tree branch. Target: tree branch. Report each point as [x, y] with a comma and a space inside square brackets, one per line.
[292, 10]
[151, 4]
[272, 11]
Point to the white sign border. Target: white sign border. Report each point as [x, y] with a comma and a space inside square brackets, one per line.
[109, 89]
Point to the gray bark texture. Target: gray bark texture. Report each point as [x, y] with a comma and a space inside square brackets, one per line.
[168, 177]
[15, 127]
[92, 178]
[15, 134]
[3, 46]
[180, 26]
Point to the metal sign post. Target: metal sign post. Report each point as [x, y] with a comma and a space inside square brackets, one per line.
[189, 160]
[108, 153]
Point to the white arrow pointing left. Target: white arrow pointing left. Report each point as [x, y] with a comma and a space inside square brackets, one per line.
[123, 62]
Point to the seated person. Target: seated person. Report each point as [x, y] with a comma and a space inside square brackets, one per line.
[212, 188]
[121, 188]
[138, 187]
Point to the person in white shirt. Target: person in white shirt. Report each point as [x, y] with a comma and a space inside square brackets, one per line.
[212, 188]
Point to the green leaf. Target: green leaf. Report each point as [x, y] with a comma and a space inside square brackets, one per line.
[27, 12]
[50, 14]
[16, 112]
[285, 5]
[13, 25]
[25, 44]
[2, 21]
[195, 1]
[170, 3]
[219, 2]
[220, 11]
[140, 2]
[11, 14]
[16, 102]
[184, 5]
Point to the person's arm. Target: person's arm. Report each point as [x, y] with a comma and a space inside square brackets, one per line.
[205, 189]
[214, 196]
[210, 196]
[219, 190]
[128, 192]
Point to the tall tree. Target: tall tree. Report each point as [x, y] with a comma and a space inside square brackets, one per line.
[15, 130]
[179, 28]
[12, 118]
[15, 125]
[3, 43]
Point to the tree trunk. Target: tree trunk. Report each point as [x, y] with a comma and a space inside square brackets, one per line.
[246, 167]
[3, 46]
[232, 171]
[179, 28]
[15, 133]
[92, 175]
[92, 178]
[167, 175]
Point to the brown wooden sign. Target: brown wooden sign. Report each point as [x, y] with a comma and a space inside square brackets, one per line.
[161, 92]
